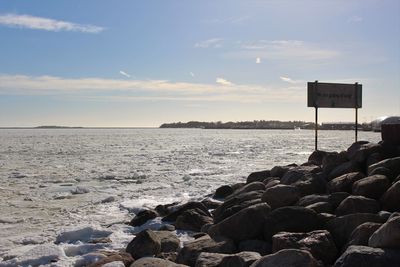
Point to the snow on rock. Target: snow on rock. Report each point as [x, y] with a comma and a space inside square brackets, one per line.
[88, 259]
[83, 234]
[81, 249]
[38, 255]
[114, 264]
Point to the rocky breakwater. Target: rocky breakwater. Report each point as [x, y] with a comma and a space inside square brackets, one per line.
[336, 209]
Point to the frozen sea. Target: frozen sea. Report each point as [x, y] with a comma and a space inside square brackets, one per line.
[59, 180]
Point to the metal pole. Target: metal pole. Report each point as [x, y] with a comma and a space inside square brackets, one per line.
[356, 105]
[316, 128]
[356, 124]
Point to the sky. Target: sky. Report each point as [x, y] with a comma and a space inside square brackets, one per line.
[100, 63]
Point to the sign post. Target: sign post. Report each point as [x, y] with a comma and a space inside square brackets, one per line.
[334, 95]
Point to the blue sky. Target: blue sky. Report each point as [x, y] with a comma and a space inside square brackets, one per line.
[142, 63]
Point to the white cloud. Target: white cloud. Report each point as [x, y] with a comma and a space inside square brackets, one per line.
[290, 80]
[191, 74]
[40, 23]
[124, 74]
[356, 19]
[258, 60]
[210, 43]
[95, 88]
[222, 81]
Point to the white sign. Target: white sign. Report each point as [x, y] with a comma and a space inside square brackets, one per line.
[334, 95]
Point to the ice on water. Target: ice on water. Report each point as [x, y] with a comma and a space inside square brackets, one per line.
[59, 188]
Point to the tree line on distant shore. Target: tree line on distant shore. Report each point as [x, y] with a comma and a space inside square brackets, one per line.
[256, 124]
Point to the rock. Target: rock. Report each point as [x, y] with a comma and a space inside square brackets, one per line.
[321, 207]
[211, 203]
[317, 157]
[154, 262]
[192, 249]
[124, 257]
[298, 173]
[83, 234]
[251, 187]
[388, 235]
[170, 256]
[164, 210]
[281, 195]
[167, 227]
[343, 169]
[392, 164]
[244, 259]
[361, 150]
[361, 235]
[142, 217]
[190, 205]
[168, 240]
[332, 160]
[374, 158]
[192, 220]
[258, 176]
[236, 204]
[342, 227]
[357, 204]
[372, 186]
[279, 171]
[336, 198]
[246, 224]
[383, 171]
[391, 198]
[345, 182]
[319, 243]
[286, 258]
[223, 191]
[291, 219]
[271, 182]
[146, 243]
[255, 245]
[361, 256]
[311, 184]
[312, 199]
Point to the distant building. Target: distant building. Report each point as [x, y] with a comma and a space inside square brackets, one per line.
[337, 126]
[377, 124]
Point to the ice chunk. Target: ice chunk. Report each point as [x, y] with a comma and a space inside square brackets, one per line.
[39, 255]
[80, 190]
[81, 249]
[83, 234]
[88, 259]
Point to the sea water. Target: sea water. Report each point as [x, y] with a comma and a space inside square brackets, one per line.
[62, 181]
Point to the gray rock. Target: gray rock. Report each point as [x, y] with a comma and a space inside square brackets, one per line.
[279, 171]
[223, 191]
[255, 245]
[113, 256]
[142, 217]
[258, 176]
[246, 224]
[311, 199]
[383, 171]
[187, 206]
[342, 227]
[372, 186]
[362, 256]
[211, 203]
[336, 198]
[333, 160]
[388, 235]
[155, 262]
[286, 258]
[291, 219]
[345, 182]
[361, 235]
[392, 164]
[146, 243]
[317, 157]
[361, 150]
[280, 196]
[271, 182]
[240, 259]
[168, 240]
[192, 220]
[298, 173]
[391, 198]
[311, 184]
[192, 249]
[251, 187]
[319, 243]
[321, 207]
[357, 204]
[344, 168]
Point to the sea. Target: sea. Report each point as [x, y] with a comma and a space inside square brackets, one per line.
[59, 185]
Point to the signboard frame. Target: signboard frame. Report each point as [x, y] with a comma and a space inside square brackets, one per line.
[334, 95]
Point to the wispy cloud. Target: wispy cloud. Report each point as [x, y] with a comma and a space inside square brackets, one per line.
[222, 81]
[290, 80]
[210, 43]
[145, 90]
[282, 50]
[47, 24]
[258, 60]
[355, 19]
[124, 74]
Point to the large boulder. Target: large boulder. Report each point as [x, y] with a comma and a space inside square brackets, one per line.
[246, 224]
[392, 164]
[311, 184]
[336, 198]
[299, 173]
[146, 243]
[342, 227]
[388, 235]
[317, 157]
[361, 235]
[391, 198]
[361, 150]
[362, 256]
[279, 171]
[223, 191]
[344, 168]
[291, 219]
[372, 186]
[271, 182]
[236, 204]
[241, 259]
[258, 176]
[311, 199]
[251, 187]
[192, 249]
[187, 206]
[357, 204]
[168, 240]
[345, 182]
[280, 196]
[155, 262]
[142, 217]
[113, 256]
[332, 160]
[288, 257]
[321, 207]
[319, 243]
[192, 220]
[260, 246]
